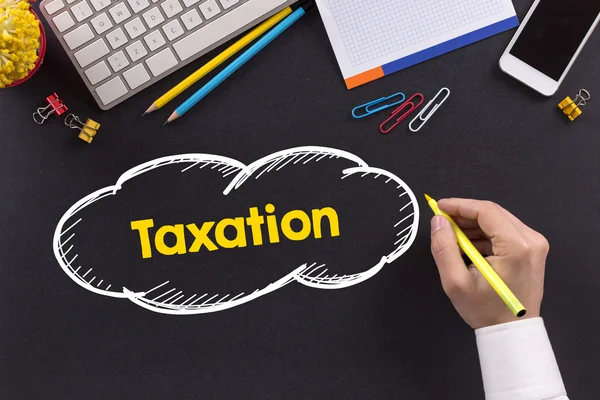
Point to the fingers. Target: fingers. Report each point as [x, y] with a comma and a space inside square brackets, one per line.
[465, 223]
[484, 246]
[445, 250]
[513, 237]
[474, 233]
[492, 219]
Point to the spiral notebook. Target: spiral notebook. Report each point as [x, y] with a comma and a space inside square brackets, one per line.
[374, 38]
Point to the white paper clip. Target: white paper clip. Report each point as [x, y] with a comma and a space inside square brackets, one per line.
[430, 114]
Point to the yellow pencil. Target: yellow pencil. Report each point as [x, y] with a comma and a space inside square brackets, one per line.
[482, 265]
[218, 60]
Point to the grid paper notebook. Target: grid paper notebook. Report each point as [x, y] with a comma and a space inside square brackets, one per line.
[374, 38]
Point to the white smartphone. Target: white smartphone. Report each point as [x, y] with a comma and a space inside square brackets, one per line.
[548, 42]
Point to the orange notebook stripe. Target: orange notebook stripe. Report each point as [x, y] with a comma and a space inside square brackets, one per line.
[365, 77]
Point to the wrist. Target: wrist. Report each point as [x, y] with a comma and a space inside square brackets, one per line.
[517, 361]
[510, 319]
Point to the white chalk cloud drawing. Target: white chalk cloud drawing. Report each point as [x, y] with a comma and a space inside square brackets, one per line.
[165, 299]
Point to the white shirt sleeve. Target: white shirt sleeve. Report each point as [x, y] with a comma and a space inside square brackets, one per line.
[517, 362]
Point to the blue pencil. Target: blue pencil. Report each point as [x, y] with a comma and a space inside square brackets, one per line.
[238, 63]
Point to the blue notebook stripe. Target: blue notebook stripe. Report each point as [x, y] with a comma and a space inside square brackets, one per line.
[450, 45]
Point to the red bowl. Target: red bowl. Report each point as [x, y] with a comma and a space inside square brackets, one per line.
[41, 53]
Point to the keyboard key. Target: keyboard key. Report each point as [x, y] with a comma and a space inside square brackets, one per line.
[98, 73]
[191, 19]
[161, 62]
[228, 3]
[222, 27]
[153, 17]
[135, 28]
[173, 29]
[210, 9]
[171, 8]
[116, 38]
[118, 61]
[120, 13]
[138, 5]
[101, 23]
[136, 50]
[136, 76]
[78, 36]
[54, 6]
[121, 46]
[91, 53]
[111, 90]
[81, 11]
[63, 21]
[100, 4]
[154, 40]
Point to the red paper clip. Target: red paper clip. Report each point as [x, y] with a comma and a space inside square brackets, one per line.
[55, 106]
[408, 102]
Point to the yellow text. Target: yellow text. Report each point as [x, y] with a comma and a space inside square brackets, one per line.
[211, 236]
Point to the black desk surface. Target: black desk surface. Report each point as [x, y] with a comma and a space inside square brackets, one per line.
[393, 336]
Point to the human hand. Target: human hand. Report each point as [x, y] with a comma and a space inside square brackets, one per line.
[515, 251]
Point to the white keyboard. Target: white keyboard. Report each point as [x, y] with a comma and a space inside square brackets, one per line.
[121, 47]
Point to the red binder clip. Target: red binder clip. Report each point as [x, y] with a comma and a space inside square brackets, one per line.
[408, 103]
[55, 106]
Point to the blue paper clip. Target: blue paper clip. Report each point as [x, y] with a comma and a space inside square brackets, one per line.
[367, 106]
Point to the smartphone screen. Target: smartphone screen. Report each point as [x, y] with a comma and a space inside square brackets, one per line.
[554, 33]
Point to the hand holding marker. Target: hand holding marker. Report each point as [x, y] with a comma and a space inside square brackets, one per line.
[240, 61]
[481, 263]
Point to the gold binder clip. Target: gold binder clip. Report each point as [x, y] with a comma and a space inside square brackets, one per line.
[87, 131]
[572, 107]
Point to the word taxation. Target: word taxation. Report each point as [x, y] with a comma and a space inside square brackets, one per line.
[202, 236]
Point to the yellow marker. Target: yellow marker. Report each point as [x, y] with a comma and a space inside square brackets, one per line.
[218, 60]
[482, 265]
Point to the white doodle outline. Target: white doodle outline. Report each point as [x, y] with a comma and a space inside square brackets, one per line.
[305, 274]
